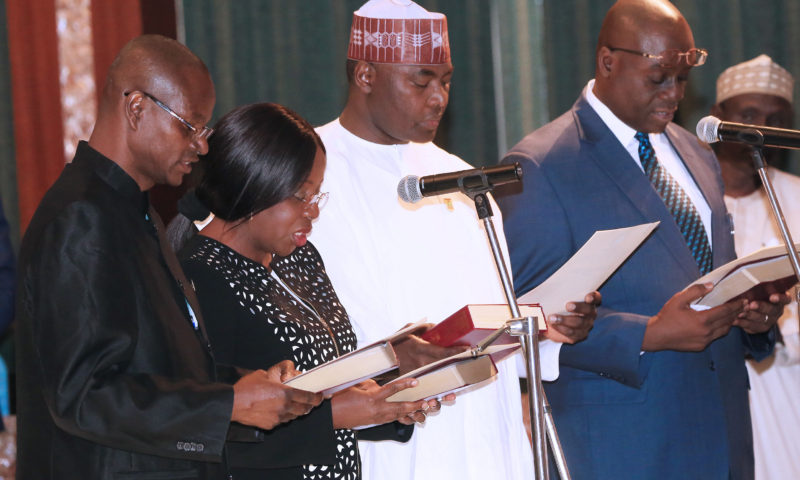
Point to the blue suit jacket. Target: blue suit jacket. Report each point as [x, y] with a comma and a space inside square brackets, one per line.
[621, 414]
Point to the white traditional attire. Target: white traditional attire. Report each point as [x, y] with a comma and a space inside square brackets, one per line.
[775, 381]
[394, 263]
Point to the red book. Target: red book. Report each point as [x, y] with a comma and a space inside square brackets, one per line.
[472, 323]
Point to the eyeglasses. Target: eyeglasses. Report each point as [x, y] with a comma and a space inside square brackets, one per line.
[672, 58]
[197, 133]
[319, 200]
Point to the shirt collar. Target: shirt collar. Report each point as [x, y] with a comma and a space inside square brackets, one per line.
[621, 130]
[113, 175]
[355, 138]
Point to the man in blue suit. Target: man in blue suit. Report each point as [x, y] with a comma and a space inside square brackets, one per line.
[657, 390]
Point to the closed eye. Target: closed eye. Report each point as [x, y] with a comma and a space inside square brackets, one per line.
[658, 79]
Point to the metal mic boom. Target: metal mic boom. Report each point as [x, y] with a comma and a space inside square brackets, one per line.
[711, 129]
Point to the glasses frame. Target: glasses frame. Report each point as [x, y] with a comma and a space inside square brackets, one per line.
[320, 199]
[701, 59]
[198, 133]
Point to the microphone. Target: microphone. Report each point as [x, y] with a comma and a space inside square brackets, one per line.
[411, 189]
[711, 129]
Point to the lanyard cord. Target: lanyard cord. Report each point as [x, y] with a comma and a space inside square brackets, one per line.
[308, 306]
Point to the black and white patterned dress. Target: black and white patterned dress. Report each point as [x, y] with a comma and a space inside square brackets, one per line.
[255, 318]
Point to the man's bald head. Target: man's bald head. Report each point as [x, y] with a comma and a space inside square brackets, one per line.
[634, 18]
[156, 101]
[150, 63]
[631, 77]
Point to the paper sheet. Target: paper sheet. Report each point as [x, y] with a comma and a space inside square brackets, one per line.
[596, 260]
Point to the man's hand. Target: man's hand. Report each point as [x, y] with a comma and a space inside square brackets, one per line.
[260, 398]
[759, 317]
[576, 324]
[678, 327]
[414, 352]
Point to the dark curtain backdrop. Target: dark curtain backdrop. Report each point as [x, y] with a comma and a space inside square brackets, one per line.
[731, 30]
[292, 52]
[8, 165]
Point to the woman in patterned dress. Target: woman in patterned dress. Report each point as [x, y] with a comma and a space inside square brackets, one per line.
[265, 296]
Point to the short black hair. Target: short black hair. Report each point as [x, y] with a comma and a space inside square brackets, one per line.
[258, 156]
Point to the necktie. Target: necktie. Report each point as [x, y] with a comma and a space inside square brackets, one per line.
[678, 203]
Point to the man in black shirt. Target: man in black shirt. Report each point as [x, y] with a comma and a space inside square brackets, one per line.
[116, 376]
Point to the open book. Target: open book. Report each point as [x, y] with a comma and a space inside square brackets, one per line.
[586, 270]
[452, 374]
[754, 277]
[351, 368]
[472, 323]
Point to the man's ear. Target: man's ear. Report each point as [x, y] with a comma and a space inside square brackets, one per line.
[134, 109]
[605, 61]
[364, 76]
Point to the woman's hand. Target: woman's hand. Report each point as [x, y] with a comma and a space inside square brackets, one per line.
[413, 352]
[365, 404]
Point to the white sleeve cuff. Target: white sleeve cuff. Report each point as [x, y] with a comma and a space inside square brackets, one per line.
[548, 360]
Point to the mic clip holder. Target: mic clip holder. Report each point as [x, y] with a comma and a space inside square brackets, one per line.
[478, 194]
[471, 191]
[752, 137]
[517, 327]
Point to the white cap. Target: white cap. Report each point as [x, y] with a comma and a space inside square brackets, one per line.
[401, 9]
[759, 75]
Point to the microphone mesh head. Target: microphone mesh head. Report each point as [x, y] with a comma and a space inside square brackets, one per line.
[408, 189]
[707, 129]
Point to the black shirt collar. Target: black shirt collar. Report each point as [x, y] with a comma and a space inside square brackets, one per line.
[113, 175]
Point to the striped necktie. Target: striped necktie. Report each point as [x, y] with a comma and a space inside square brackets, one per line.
[678, 203]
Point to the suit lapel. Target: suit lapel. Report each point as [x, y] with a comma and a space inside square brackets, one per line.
[177, 273]
[610, 156]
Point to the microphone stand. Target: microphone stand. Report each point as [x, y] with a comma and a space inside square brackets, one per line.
[527, 329]
[761, 167]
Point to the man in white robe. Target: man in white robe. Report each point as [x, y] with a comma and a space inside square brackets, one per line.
[759, 92]
[393, 263]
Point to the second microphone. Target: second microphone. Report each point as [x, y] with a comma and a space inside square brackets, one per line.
[411, 189]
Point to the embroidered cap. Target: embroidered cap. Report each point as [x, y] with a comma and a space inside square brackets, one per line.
[398, 31]
[759, 75]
